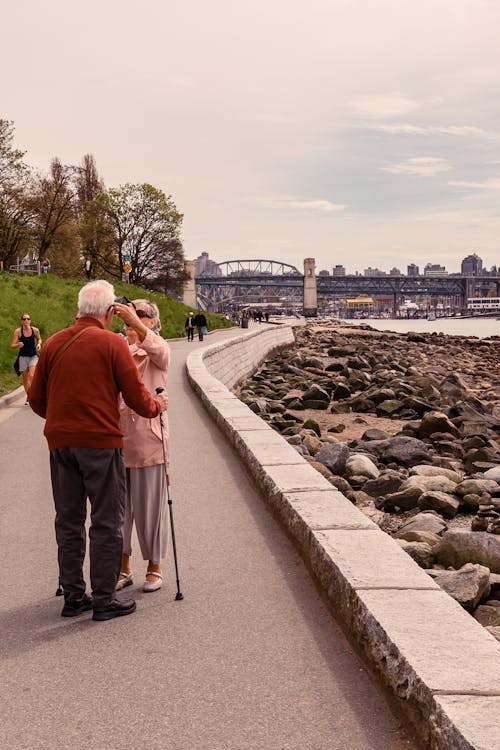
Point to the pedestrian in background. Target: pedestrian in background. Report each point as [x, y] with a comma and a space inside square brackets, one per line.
[146, 502]
[76, 389]
[200, 322]
[88, 267]
[189, 326]
[28, 341]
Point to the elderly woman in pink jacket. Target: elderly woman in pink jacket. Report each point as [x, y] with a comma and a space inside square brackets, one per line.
[143, 450]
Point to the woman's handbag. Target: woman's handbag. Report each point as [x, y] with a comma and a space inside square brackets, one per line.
[16, 366]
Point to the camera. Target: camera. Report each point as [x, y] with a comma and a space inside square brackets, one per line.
[125, 301]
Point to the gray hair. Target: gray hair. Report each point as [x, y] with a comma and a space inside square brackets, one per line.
[95, 298]
[151, 309]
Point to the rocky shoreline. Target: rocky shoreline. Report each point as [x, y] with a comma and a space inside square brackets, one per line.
[407, 426]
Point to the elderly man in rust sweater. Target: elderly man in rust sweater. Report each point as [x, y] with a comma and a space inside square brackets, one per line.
[79, 376]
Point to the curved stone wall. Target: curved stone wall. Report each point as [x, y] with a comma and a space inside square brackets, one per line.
[438, 662]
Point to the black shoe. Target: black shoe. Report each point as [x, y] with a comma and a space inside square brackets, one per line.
[73, 606]
[116, 608]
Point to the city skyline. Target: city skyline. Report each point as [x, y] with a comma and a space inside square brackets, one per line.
[470, 265]
[336, 130]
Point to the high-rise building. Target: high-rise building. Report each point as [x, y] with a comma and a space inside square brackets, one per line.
[338, 270]
[412, 270]
[394, 272]
[434, 269]
[472, 265]
[373, 272]
[203, 264]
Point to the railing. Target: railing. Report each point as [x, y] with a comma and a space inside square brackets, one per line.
[22, 267]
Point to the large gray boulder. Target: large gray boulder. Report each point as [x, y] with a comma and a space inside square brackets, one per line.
[360, 465]
[425, 537]
[476, 487]
[389, 481]
[404, 499]
[406, 451]
[315, 393]
[444, 504]
[334, 456]
[458, 547]
[427, 521]
[437, 483]
[436, 421]
[468, 586]
[435, 471]
[493, 474]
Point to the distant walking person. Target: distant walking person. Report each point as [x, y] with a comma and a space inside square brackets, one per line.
[88, 267]
[189, 326]
[146, 503]
[200, 322]
[28, 340]
[76, 388]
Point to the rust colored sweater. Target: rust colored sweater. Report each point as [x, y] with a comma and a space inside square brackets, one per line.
[78, 396]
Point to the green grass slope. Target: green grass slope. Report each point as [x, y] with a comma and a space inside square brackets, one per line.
[51, 302]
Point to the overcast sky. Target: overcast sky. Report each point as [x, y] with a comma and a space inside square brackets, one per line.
[361, 132]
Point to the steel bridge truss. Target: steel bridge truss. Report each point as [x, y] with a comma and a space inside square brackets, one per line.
[261, 279]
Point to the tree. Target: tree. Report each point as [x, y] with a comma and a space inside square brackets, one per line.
[96, 231]
[11, 159]
[15, 214]
[146, 227]
[55, 228]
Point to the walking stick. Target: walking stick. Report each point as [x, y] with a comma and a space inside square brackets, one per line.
[178, 595]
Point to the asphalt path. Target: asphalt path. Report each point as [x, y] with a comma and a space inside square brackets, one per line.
[249, 660]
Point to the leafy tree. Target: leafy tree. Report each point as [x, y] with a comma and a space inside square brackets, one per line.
[15, 214]
[146, 227]
[55, 228]
[11, 159]
[96, 231]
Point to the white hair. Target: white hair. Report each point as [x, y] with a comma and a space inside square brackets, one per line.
[95, 298]
[151, 309]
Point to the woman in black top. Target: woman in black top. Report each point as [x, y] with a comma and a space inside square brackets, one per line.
[28, 340]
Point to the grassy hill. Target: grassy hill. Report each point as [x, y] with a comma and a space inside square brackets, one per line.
[51, 302]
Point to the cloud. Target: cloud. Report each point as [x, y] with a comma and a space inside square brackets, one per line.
[293, 204]
[458, 130]
[423, 166]
[492, 184]
[378, 107]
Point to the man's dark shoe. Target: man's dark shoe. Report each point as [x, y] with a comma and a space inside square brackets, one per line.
[76, 606]
[116, 608]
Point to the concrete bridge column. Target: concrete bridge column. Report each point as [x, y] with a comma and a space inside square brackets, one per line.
[189, 290]
[310, 289]
[469, 290]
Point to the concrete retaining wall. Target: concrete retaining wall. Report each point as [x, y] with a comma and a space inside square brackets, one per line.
[438, 662]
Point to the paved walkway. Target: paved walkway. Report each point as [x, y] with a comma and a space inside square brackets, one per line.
[250, 660]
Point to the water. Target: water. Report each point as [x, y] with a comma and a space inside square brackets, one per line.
[480, 327]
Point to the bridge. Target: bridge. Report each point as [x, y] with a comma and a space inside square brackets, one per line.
[243, 281]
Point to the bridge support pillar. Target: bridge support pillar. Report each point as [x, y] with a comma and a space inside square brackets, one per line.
[310, 289]
[469, 290]
[189, 290]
